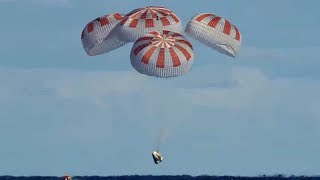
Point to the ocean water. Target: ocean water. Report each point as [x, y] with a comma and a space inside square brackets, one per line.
[150, 177]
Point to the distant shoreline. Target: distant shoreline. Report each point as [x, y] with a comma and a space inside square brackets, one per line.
[160, 177]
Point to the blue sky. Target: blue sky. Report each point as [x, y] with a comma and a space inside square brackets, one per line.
[62, 111]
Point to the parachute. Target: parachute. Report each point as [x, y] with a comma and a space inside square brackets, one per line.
[165, 54]
[215, 32]
[159, 48]
[141, 21]
[95, 36]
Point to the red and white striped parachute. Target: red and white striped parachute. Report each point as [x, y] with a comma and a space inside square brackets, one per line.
[216, 32]
[165, 54]
[94, 35]
[141, 21]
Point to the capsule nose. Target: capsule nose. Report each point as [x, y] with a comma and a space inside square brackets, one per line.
[154, 153]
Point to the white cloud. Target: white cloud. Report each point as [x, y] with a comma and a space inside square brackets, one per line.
[266, 53]
[256, 115]
[255, 89]
[238, 88]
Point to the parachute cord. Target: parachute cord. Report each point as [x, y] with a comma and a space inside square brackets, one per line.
[158, 145]
[159, 139]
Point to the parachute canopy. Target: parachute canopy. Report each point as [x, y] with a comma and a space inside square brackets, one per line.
[141, 21]
[94, 35]
[165, 54]
[216, 32]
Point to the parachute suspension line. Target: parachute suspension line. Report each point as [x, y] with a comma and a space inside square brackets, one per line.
[159, 141]
[158, 147]
[162, 135]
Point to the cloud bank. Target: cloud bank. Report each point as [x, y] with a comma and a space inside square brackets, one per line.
[239, 113]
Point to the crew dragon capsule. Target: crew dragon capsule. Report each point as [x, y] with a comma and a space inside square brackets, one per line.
[157, 158]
